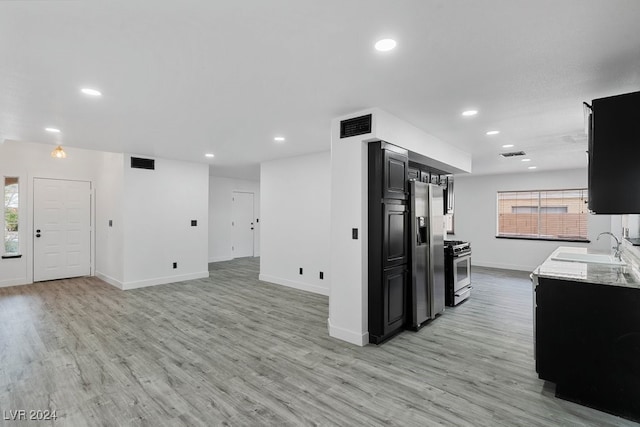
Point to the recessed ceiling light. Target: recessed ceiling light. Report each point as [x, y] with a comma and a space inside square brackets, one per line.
[532, 167]
[91, 92]
[493, 132]
[279, 139]
[525, 160]
[385, 45]
[52, 130]
[469, 113]
[209, 155]
[507, 146]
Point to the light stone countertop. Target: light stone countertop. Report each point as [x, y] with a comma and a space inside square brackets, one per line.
[614, 275]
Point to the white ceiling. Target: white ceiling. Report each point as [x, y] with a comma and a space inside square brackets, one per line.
[182, 78]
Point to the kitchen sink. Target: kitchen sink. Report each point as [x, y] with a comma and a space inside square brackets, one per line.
[589, 258]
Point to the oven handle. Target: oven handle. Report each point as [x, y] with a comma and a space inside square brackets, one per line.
[459, 257]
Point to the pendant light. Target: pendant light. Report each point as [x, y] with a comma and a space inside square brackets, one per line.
[58, 153]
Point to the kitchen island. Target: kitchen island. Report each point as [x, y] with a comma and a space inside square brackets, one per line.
[587, 331]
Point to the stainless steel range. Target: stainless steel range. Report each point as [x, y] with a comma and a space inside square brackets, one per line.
[457, 270]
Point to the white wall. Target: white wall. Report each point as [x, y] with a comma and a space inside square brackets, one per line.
[28, 161]
[632, 223]
[348, 315]
[220, 213]
[158, 206]
[109, 202]
[151, 214]
[294, 203]
[475, 218]
[390, 128]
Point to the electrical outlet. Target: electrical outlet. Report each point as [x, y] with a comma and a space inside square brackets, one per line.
[175, 265]
[194, 223]
[321, 275]
[354, 233]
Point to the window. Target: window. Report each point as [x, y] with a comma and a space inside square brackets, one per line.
[543, 214]
[11, 216]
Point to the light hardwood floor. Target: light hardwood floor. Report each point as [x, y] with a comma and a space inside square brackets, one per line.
[231, 350]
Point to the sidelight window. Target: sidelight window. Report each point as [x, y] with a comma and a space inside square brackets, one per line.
[543, 214]
[11, 216]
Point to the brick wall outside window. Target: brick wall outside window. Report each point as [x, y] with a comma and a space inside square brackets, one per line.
[543, 214]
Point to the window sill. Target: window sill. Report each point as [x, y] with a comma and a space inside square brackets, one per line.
[543, 239]
[12, 256]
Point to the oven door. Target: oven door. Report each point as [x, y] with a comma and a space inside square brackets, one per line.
[461, 272]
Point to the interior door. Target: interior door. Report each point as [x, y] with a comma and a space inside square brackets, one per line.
[242, 224]
[62, 229]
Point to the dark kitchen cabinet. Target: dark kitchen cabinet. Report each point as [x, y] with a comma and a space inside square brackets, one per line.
[394, 234]
[388, 172]
[587, 341]
[394, 288]
[413, 174]
[419, 175]
[614, 150]
[448, 194]
[395, 172]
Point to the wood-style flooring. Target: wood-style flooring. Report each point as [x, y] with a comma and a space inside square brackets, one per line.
[231, 350]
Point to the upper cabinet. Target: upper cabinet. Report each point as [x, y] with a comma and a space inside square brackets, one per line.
[414, 174]
[395, 172]
[448, 195]
[614, 155]
[423, 173]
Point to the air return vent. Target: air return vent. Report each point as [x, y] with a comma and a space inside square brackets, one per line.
[513, 154]
[356, 126]
[140, 163]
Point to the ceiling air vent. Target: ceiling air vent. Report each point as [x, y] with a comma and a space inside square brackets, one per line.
[513, 154]
[355, 126]
[140, 163]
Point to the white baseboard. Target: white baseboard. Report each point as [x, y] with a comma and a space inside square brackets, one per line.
[220, 258]
[163, 280]
[14, 282]
[110, 280]
[293, 284]
[359, 339]
[503, 266]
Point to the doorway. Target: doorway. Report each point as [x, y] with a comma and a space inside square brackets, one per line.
[61, 229]
[242, 223]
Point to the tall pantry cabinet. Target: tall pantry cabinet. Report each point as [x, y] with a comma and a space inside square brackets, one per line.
[388, 246]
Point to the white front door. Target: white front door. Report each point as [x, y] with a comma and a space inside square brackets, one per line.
[61, 229]
[242, 224]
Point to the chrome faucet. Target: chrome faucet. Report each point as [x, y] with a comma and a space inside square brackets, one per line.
[618, 252]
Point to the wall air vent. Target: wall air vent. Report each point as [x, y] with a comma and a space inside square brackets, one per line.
[355, 126]
[140, 163]
[513, 154]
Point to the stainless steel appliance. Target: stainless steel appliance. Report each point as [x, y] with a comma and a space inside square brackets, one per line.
[426, 297]
[457, 271]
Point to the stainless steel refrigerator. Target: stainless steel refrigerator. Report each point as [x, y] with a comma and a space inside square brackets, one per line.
[427, 291]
